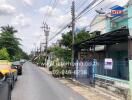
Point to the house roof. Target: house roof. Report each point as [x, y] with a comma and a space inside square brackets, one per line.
[113, 37]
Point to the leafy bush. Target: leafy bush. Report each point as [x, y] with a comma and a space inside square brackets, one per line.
[4, 54]
[56, 71]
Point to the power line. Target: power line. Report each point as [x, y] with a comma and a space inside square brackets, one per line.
[85, 9]
[79, 18]
[63, 25]
[93, 2]
[91, 8]
[102, 8]
[50, 2]
[84, 2]
[78, 3]
[95, 7]
[59, 32]
[53, 7]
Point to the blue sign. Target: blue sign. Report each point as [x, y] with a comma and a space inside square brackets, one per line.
[117, 11]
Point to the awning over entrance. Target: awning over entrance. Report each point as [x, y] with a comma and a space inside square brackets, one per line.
[113, 37]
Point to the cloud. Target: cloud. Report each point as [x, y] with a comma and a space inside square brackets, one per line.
[61, 19]
[58, 16]
[48, 10]
[82, 22]
[6, 9]
[120, 2]
[63, 2]
[2, 1]
[28, 2]
[21, 21]
[123, 2]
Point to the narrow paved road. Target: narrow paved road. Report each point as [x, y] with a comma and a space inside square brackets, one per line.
[34, 84]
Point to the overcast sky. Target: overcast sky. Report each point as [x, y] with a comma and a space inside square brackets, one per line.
[27, 17]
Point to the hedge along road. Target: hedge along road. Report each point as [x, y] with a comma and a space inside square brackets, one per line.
[34, 84]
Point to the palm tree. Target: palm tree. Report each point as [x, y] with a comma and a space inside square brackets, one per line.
[8, 40]
[9, 29]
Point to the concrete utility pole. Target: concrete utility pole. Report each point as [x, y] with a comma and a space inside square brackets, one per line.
[130, 44]
[34, 49]
[40, 49]
[73, 30]
[46, 30]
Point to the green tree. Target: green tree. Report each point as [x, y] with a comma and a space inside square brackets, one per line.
[67, 39]
[9, 29]
[8, 40]
[4, 54]
[11, 43]
[81, 36]
[61, 53]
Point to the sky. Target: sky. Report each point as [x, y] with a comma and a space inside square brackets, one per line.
[27, 17]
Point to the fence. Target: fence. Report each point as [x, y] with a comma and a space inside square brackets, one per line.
[93, 68]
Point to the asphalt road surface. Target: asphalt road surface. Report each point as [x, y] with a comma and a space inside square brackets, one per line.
[34, 84]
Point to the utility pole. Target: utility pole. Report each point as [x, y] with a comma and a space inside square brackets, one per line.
[46, 30]
[40, 49]
[73, 31]
[130, 45]
[34, 49]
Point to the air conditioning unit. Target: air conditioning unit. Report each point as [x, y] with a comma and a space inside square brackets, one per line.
[124, 27]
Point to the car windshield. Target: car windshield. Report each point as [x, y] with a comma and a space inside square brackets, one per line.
[16, 63]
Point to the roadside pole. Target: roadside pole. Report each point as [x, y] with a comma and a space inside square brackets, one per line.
[34, 49]
[130, 44]
[46, 30]
[73, 34]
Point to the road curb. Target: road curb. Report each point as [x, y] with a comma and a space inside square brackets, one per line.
[97, 89]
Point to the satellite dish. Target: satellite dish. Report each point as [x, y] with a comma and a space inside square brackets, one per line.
[100, 12]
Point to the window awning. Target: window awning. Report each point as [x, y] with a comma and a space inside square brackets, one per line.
[113, 37]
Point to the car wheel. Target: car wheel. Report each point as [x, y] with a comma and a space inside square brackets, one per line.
[13, 83]
[16, 79]
[21, 73]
